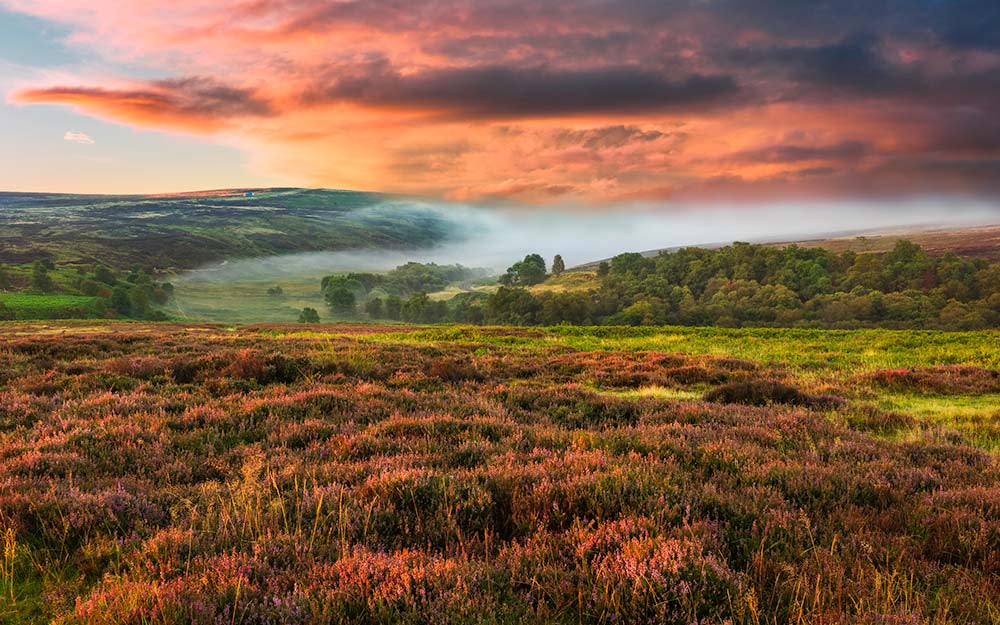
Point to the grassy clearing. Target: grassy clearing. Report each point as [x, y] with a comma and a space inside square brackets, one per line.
[46, 306]
[976, 418]
[567, 282]
[246, 301]
[844, 350]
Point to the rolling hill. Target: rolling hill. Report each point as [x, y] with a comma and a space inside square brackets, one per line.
[975, 242]
[162, 233]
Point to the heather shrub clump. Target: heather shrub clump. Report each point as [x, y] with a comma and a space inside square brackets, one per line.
[764, 392]
[941, 379]
[163, 475]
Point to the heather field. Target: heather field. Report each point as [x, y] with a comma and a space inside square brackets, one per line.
[161, 473]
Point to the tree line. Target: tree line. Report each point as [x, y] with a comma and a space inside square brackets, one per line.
[738, 285]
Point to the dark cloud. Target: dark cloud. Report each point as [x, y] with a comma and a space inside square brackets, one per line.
[607, 137]
[202, 95]
[855, 65]
[789, 153]
[568, 48]
[969, 24]
[928, 172]
[499, 91]
[964, 130]
[194, 101]
[863, 66]
[900, 176]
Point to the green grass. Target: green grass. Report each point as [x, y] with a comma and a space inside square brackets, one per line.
[44, 306]
[659, 392]
[568, 281]
[246, 301]
[801, 349]
[975, 417]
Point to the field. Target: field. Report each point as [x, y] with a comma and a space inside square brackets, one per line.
[47, 306]
[160, 473]
[246, 300]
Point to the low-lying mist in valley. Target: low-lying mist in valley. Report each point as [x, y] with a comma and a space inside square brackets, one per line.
[494, 238]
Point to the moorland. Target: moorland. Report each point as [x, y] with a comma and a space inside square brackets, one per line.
[162, 473]
[745, 434]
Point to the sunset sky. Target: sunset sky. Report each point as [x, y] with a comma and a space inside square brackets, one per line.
[533, 102]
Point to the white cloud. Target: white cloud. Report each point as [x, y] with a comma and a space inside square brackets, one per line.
[76, 136]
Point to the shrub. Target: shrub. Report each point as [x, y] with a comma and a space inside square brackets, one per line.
[873, 419]
[765, 392]
[309, 315]
[941, 379]
[453, 370]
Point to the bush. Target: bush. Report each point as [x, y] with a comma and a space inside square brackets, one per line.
[765, 392]
[941, 379]
[309, 315]
[453, 370]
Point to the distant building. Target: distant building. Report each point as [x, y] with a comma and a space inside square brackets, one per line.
[248, 194]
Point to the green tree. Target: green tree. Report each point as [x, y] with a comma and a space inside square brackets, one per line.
[90, 287]
[4, 278]
[121, 302]
[309, 315]
[512, 306]
[341, 300]
[393, 307]
[40, 278]
[527, 272]
[103, 274]
[558, 266]
[468, 307]
[630, 262]
[569, 307]
[160, 295]
[422, 309]
[139, 296]
[374, 308]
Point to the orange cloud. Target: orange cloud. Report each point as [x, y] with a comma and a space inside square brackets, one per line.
[192, 104]
[543, 102]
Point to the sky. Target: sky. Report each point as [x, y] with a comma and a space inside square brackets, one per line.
[592, 102]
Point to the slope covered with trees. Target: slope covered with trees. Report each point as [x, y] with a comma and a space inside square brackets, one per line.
[753, 285]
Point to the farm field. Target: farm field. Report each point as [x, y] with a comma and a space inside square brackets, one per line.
[168, 473]
[47, 305]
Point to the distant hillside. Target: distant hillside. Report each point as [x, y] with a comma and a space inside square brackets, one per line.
[184, 231]
[974, 242]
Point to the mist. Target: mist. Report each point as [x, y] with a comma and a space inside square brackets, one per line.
[493, 238]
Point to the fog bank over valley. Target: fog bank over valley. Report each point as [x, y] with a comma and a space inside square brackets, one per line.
[493, 238]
